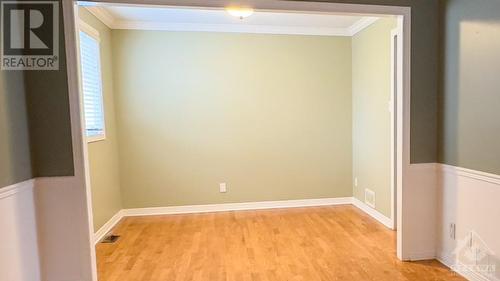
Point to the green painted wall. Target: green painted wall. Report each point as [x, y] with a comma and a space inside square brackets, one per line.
[371, 92]
[270, 115]
[49, 109]
[470, 101]
[15, 160]
[103, 155]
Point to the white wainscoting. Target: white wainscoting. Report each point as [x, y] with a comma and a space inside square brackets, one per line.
[19, 258]
[419, 217]
[64, 229]
[471, 200]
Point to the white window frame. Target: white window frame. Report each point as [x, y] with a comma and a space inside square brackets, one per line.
[92, 32]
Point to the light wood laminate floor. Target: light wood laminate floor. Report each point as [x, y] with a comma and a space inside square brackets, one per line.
[309, 244]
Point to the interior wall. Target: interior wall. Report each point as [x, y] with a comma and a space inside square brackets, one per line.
[49, 117]
[470, 130]
[470, 127]
[19, 251]
[54, 154]
[371, 93]
[15, 158]
[270, 115]
[103, 155]
[19, 258]
[470, 201]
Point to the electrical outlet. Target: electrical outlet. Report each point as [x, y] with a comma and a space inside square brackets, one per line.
[356, 182]
[453, 230]
[222, 187]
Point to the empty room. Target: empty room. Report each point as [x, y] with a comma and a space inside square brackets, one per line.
[263, 140]
[234, 144]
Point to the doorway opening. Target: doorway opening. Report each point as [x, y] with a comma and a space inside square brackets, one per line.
[398, 112]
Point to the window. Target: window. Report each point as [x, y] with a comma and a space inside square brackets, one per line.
[91, 83]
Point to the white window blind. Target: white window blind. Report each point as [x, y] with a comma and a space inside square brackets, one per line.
[92, 86]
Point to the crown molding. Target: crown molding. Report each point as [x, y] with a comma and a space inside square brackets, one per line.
[233, 28]
[107, 18]
[361, 24]
[103, 15]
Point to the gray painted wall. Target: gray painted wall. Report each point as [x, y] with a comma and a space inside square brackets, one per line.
[35, 128]
[470, 101]
[15, 160]
[48, 113]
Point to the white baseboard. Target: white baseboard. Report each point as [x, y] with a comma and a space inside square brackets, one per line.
[99, 234]
[237, 206]
[373, 213]
[216, 208]
[469, 275]
[421, 256]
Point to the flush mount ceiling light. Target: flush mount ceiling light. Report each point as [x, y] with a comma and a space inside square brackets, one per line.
[240, 12]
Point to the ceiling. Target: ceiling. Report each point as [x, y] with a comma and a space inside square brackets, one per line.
[218, 20]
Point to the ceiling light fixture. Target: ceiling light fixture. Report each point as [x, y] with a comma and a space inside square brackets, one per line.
[240, 12]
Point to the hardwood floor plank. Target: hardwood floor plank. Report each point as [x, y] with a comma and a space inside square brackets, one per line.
[309, 244]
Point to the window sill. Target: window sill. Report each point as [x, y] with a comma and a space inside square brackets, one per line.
[96, 139]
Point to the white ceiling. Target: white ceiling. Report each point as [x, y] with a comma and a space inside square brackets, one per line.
[218, 20]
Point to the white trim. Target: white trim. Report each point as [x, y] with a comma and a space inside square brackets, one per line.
[396, 87]
[457, 182]
[10, 190]
[447, 260]
[82, 181]
[87, 28]
[373, 213]
[83, 198]
[20, 255]
[237, 206]
[97, 138]
[403, 136]
[458, 171]
[422, 256]
[107, 18]
[103, 15]
[232, 28]
[361, 24]
[108, 226]
[245, 206]
[94, 33]
[473, 174]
